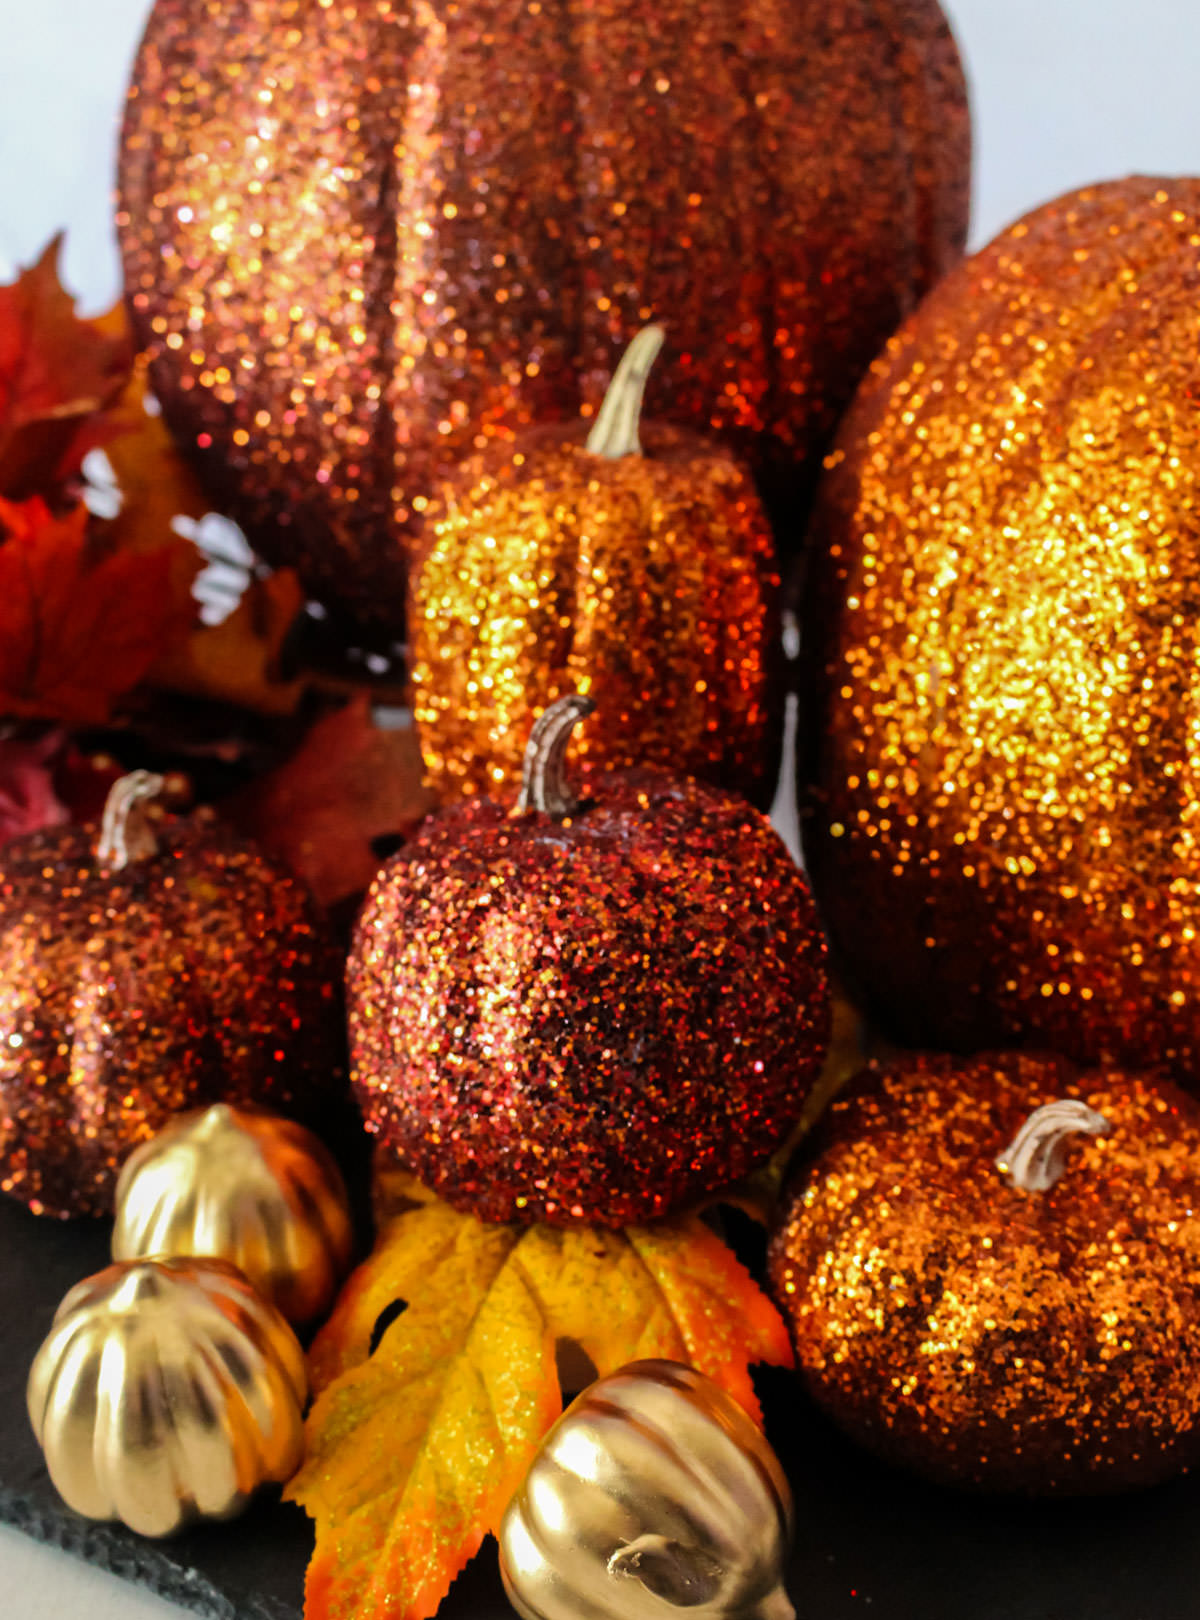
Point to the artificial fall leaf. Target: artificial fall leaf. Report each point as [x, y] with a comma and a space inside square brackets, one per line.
[58, 376]
[79, 624]
[349, 783]
[237, 660]
[414, 1452]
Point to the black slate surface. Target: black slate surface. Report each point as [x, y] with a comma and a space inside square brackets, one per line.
[870, 1544]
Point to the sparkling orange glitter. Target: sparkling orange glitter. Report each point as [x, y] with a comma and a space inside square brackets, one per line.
[594, 1019]
[1043, 1342]
[195, 974]
[365, 237]
[550, 569]
[1006, 834]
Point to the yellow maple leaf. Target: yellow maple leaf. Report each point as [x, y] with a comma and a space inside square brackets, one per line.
[415, 1450]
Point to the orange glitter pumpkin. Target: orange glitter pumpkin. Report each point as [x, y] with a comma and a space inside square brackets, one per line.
[362, 240]
[162, 965]
[991, 1272]
[1005, 832]
[577, 559]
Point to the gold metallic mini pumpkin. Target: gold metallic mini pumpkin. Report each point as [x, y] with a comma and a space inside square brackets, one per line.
[253, 1189]
[166, 1391]
[654, 1492]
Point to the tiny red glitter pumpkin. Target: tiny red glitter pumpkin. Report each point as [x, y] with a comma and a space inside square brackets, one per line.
[991, 1272]
[634, 558]
[163, 965]
[587, 1011]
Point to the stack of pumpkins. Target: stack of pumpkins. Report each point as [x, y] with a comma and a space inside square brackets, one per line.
[613, 1000]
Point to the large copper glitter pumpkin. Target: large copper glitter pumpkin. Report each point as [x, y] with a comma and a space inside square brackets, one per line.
[991, 1271]
[159, 966]
[363, 239]
[635, 558]
[1005, 835]
[591, 1010]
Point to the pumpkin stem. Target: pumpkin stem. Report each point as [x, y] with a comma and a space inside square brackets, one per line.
[544, 777]
[615, 432]
[1036, 1156]
[125, 831]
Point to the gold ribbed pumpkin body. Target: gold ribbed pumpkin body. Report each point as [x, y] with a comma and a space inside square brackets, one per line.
[1005, 828]
[647, 578]
[653, 1493]
[363, 240]
[167, 1392]
[250, 1188]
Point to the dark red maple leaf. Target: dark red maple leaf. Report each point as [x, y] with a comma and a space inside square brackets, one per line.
[78, 626]
[58, 376]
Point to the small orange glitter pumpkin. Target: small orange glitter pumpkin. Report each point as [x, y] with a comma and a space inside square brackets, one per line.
[587, 1011]
[363, 240]
[1004, 835]
[991, 1272]
[576, 559]
[160, 966]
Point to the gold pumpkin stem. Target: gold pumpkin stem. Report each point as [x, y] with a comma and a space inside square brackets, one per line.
[125, 831]
[615, 433]
[544, 776]
[1036, 1157]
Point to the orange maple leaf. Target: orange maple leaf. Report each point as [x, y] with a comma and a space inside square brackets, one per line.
[78, 626]
[58, 375]
[415, 1450]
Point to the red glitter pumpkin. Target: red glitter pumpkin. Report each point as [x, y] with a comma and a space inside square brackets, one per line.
[589, 1011]
[361, 240]
[991, 1272]
[164, 965]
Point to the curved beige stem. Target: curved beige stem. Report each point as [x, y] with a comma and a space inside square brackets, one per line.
[544, 777]
[1035, 1158]
[125, 831]
[615, 433]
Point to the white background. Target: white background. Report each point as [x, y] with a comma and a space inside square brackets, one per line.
[1065, 92]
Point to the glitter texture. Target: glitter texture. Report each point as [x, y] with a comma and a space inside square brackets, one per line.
[595, 1019]
[1006, 834]
[647, 577]
[364, 237]
[195, 974]
[1041, 1342]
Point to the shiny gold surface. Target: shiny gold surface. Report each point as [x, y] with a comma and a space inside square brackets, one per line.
[253, 1189]
[1006, 831]
[653, 1494]
[1043, 1341]
[166, 1392]
[365, 238]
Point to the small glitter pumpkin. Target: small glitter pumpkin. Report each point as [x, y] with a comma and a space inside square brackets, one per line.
[363, 240]
[991, 1272]
[577, 559]
[1004, 835]
[587, 1011]
[251, 1188]
[653, 1495]
[167, 1391]
[161, 965]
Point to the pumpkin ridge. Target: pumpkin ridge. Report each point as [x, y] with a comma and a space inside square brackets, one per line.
[925, 54]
